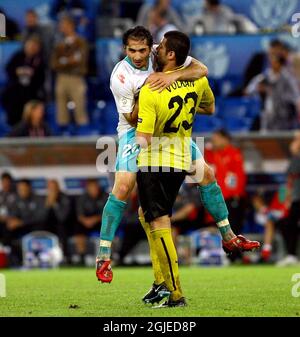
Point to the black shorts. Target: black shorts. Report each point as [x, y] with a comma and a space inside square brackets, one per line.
[158, 192]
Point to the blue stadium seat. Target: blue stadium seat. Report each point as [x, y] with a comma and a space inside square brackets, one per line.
[51, 118]
[86, 130]
[206, 124]
[228, 84]
[232, 108]
[237, 124]
[109, 119]
[238, 113]
[4, 127]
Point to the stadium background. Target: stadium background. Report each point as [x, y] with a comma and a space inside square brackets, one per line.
[70, 154]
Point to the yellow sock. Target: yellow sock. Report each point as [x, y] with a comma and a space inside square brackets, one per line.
[166, 252]
[158, 276]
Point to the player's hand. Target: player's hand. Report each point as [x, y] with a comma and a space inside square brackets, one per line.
[13, 223]
[159, 81]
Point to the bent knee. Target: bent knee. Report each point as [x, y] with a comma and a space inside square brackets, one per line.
[122, 191]
[209, 176]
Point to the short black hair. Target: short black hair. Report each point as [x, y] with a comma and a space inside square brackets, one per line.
[6, 175]
[91, 181]
[68, 18]
[138, 33]
[276, 43]
[31, 11]
[213, 2]
[224, 133]
[179, 43]
[24, 181]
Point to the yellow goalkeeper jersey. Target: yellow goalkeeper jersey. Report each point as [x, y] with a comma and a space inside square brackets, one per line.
[169, 117]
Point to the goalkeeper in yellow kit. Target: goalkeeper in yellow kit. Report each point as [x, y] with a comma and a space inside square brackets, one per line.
[164, 133]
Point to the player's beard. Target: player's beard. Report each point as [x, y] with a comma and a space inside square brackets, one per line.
[159, 64]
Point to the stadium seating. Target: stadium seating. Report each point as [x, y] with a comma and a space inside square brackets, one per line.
[225, 61]
[265, 14]
[7, 49]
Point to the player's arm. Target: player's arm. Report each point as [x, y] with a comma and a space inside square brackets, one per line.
[206, 110]
[207, 103]
[193, 70]
[146, 117]
[132, 117]
[124, 97]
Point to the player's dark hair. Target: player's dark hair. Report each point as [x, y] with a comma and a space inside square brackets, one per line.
[138, 33]
[213, 2]
[224, 133]
[91, 181]
[179, 43]
[31, 11]
[6, 175]
[276, 43]
[68, 18]
[24, 181]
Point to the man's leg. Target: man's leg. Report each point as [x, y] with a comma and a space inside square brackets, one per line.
[78, 95]
[62, 113]
[293, 229]
[213, 201]
[113, 211]
[290, 233]
[158, 277]
[167, 255]
[157, 192]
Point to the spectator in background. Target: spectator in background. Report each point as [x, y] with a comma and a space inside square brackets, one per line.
[291, 230]
[89, 209]
[271, 216]
[228, 163]
[33, 123]
[145, 14]
[295, 68]
[69, 61]
[12, 29]
[187, 215]
[258, 64]
[219, 19]
[26, 77]
[280, 96]
[7, 198]
[159, 24]
[25, 214]
[57, 213]
[77, 9]
[67, 7]
[44, 33]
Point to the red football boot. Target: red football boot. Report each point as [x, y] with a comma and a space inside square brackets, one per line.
[104, 271]
[239, 243]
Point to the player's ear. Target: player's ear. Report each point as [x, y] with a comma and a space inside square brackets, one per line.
[171, 55]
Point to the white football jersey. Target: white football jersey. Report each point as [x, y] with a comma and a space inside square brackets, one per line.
[125, 83]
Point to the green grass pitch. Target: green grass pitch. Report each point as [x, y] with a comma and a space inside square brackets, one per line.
[230, 291]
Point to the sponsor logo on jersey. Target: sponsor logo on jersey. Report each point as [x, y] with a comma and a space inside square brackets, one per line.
[121, 77]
